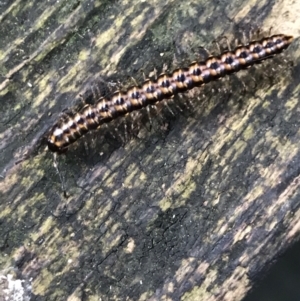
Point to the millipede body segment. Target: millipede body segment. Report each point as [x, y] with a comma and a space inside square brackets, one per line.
[66, 131]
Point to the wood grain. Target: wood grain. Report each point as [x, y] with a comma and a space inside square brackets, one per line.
[193, 210]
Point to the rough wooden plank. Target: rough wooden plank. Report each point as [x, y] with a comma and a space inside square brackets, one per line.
[192, 213]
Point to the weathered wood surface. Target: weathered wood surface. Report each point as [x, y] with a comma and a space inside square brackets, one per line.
[193, 213]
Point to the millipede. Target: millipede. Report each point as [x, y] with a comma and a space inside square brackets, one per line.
[66, 131]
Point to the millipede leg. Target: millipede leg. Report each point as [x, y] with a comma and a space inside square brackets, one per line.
[55, 164]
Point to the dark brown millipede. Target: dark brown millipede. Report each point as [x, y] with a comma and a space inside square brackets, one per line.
[67, 131]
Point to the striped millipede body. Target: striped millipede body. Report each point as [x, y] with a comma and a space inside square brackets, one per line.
[68, 130]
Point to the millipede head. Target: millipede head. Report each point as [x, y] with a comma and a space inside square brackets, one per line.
[54, 146]
[56, 140]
